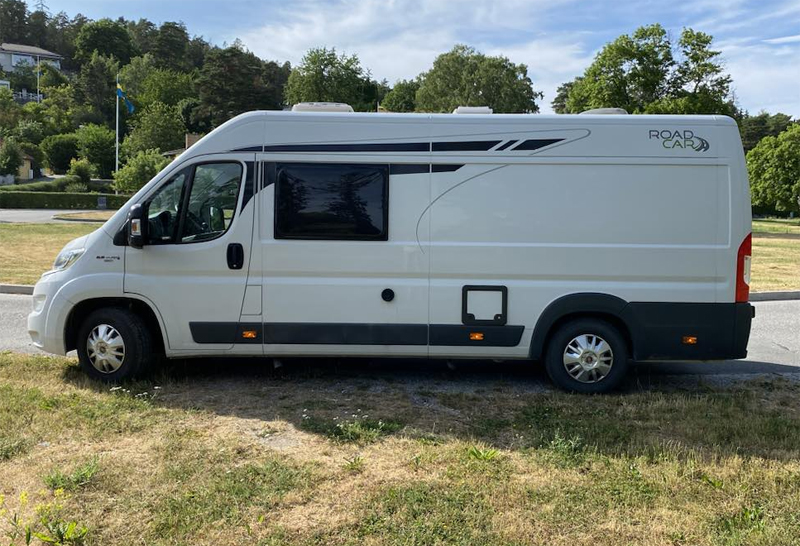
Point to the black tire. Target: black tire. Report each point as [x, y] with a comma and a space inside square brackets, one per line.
[137, 339]
[566, 334]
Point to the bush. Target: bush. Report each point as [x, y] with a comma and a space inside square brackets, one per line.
[57, 185]
[50, 200]
[96, 143]
[139, 170]
[30, 131]
[82, 169]
[76, 187]
[59, 150]
[10, 157]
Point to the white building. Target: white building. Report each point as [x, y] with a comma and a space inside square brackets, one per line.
[14, 55]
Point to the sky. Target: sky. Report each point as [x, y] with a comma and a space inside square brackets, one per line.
[556, 39]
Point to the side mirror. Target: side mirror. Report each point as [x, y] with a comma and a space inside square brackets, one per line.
[137, 226]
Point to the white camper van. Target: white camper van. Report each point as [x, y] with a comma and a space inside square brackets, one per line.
[579, 241]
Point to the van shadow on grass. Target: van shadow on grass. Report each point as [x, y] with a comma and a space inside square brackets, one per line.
[506, 405]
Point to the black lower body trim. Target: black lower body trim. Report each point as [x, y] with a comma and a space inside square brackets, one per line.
[457, 335]
[722, 330]
[302, 333]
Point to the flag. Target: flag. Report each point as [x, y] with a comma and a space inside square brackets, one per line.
[121, 94]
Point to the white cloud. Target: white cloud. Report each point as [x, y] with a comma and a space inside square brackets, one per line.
[398, 40]
[784, 40]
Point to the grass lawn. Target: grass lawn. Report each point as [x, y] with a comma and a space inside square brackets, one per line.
[28, 250]
[777, 225]
[331, 457]
[776, 263]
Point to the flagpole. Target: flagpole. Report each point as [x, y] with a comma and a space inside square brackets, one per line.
[116, 142]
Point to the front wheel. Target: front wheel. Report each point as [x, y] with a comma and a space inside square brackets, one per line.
[587, 356]
[114, 345]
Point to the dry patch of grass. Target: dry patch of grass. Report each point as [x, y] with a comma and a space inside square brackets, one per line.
[95, 215]
[298, 458]
[28, 250]
[776, 263]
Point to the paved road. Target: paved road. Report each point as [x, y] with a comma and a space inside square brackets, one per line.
[32, 216]
[774, 342]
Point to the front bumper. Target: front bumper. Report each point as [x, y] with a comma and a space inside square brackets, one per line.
[49, 316]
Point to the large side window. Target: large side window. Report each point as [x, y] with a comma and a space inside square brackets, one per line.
[331, 201]
[212, 201]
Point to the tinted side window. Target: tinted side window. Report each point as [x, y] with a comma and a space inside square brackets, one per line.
[331, 201]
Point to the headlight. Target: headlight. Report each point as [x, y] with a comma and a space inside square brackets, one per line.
[66, 258]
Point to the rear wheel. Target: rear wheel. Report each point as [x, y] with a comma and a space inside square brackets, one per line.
[587, 356]
[114, 344]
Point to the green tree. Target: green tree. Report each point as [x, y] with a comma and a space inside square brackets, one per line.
[36, 29]
[774, 170]
[170, 46]
[96, 143]
[106, 37]
[631, 73]
[133, 74]
[30, 131]
[233, 81]
[754, 128]
[646, 73]
[59, 150]
[95, 87]
[50, 76]
[13, 21]
[402, 97]
[10, 157]
[166, 86]
[158, 127]
[143, 34]
[62, 33]
[10, 111]
[324, 76]
[139, 170]
[57, 112]
[465, 77]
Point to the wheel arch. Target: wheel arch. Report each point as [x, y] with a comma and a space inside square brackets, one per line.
[582, 305]
[142, 308]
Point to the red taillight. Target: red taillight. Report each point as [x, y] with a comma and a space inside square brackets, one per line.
[743, 269]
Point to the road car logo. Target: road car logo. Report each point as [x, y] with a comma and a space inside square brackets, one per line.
[679, 139]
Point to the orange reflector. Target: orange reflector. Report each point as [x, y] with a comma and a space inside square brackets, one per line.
[689, 340]
[476, 336]
[249, 334]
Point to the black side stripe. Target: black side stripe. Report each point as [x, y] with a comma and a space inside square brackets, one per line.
[535, 144]
[249, 149]
[445, 168]
[376, 147]
[409, 168]
[466, 146]
[506, 145]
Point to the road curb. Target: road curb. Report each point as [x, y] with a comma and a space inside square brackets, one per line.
[774, 296]
[755, 296]
[87, 220]
[16, 289]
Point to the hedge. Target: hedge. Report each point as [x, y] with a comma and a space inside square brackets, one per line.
[58, 200]
[56, 185]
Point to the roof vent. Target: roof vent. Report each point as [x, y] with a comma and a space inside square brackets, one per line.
[601, 111]
[473, 110]
[322, 107]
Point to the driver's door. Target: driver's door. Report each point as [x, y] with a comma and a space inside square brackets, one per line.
[193, 266]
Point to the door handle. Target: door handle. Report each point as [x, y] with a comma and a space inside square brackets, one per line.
[235, 256]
